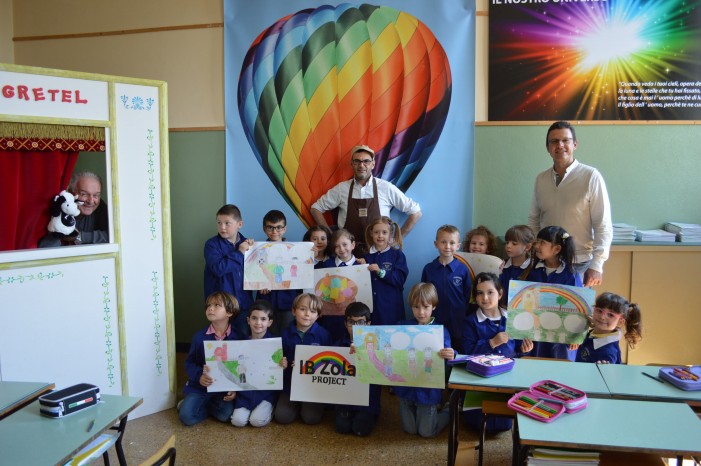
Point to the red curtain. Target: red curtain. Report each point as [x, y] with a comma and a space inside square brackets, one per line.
[28, 182]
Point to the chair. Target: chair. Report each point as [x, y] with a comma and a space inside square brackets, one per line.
[166, 453]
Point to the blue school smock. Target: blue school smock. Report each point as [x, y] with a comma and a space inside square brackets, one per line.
[560, 276]
[387, 292]
[375, 390]
[454, 287]
[194, 362]
[335, 325]
[223, 271]
[479, 329]
[419, 395]
[606, 348]
[315, 336]
[511, 272]
[250, 399]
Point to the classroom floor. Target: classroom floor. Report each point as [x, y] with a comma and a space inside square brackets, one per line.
[214, 443]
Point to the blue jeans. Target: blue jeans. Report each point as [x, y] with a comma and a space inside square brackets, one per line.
[580, 268]
[424, 420]
[196, 407]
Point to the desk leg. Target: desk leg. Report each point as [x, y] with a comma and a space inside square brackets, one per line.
[454, 426]
[118, 445]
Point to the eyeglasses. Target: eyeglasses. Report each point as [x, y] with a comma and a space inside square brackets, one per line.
[556, 142]
[274, 227]
[358, 162]
[356, 322]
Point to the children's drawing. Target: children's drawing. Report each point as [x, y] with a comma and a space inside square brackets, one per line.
[327, 374]
[478, 263]
[244, 364]
[278, 266]
[548, 312]
[339, 286]
[405, 355]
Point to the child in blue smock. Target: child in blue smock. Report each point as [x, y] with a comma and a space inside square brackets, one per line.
[485, 333]
[611, 313]
[303, 330]
[518, 243]
[359, 420]
[388, 270]
[275, 226]
[555, 250]
[221, 309]
[419, 408]
[452, 280]
[342, 243]
[256, 406]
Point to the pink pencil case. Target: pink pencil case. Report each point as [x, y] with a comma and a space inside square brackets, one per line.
[686, 378]
[535, 406]
[572, 399]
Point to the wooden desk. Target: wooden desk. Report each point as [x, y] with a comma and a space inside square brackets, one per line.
[526, 372]
[628, 382]
[15, 395]
[28, 438]
[668, 429]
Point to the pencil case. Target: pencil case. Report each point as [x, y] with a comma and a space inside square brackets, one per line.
[533, 405]
[488, 365]
[572, 399]
[684, 377]
[68, 400]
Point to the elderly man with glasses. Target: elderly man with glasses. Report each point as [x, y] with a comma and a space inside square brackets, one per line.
[573, 196]
[364, 198]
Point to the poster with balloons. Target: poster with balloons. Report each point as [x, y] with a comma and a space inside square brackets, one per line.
[339, 286]
[308, 80]
[603, 60]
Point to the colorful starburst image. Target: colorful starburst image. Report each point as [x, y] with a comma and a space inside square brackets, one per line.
[595, 60]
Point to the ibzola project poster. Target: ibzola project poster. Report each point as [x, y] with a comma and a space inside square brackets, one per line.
[327, 374]
[548, 312]
[239, 365]
[594, 60]
[403, 355]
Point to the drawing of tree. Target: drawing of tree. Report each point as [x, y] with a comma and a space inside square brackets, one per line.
[561, 301]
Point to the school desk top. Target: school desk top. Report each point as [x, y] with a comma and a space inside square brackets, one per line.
[629, 382]
[583, 376]
[14, 395]
[620, 425]
[28, 438]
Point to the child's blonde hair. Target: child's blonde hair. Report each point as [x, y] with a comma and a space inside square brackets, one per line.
[450, 229]
[315, 303]
[395, 232]
[338, 234]
[423, 293]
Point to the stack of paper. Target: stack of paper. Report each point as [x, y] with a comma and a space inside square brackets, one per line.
[554, 457]
[623, 232]
[655, 235]
[686, 232]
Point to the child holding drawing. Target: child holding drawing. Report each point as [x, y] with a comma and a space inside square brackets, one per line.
[359, 420]
[555, 250]
[198, 404]
[419, 407]
[611, 313]
[256, 406]
[304, 330]
[388, 270]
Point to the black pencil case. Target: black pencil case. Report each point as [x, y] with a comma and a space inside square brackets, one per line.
[68, 400]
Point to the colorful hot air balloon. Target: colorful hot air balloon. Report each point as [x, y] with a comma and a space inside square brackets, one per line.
[320, 81]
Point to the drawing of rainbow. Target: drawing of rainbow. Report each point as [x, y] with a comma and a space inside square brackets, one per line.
[467, 264]
[329, 357]
[570, 295]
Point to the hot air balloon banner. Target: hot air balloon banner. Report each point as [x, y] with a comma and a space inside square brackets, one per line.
[320, 81]
[339, 286]
[549, 312]
[326, 374]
